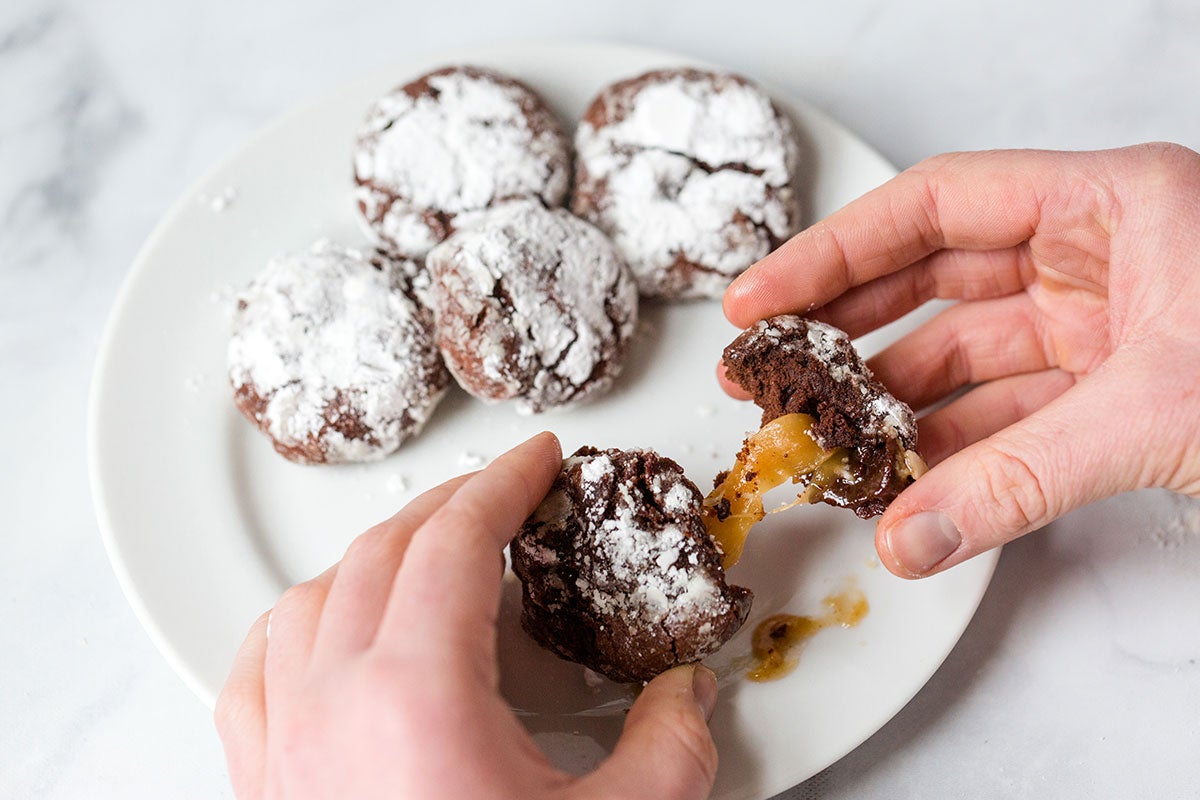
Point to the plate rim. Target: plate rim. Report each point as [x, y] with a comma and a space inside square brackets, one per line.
[99, 484]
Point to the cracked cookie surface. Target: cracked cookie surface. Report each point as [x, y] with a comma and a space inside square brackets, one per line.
[618, 572]
[692, 175]
[532, 305]
[434, 153]
[332, 356]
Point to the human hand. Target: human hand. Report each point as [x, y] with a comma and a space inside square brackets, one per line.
[379, 677]
[1079, 281]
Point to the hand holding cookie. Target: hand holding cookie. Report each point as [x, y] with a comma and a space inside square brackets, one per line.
[1077, 276]
[379, 678]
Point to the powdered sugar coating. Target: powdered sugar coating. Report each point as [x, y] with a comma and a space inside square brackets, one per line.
[884, 416]
[532, 304]
[435, 152]
[332, 358]
[618, 570]
[691, 173]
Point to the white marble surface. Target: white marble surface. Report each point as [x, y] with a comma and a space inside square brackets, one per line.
[1079, 676]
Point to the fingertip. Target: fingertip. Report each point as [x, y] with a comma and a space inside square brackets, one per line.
[542, 455]
[738, 302]
[731, 302]
[704, 688]
[883, 549]
[730, 388]
[918, 544]
[767, 288]
[666, 749]
[549, 440]
[692, 681]
[538, 462]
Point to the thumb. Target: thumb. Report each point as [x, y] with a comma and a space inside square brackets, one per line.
[665, 751]
[1078, 448]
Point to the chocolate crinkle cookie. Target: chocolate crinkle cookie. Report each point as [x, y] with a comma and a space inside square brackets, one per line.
[332, 357]
[791, 365]
[533, 305]
[435, 152]
[691, 173]
[618, 571]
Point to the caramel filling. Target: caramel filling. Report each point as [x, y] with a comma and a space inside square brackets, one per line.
[782, 449]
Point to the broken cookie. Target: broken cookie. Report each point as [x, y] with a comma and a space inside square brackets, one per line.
[617, 569]
[827, 424]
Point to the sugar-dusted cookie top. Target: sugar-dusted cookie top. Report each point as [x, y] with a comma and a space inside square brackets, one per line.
[436, 151]
[532, 305]
[691, 173]
[332, 357]
[618, 571]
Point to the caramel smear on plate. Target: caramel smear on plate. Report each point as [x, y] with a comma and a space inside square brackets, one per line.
[782, 449]
[778, 638]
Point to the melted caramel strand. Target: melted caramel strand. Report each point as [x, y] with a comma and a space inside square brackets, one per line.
[783, 449]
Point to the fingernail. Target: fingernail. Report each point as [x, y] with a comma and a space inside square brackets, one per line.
[704, 687]
[922, 541]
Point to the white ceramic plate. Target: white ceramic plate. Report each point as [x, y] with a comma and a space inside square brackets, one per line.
[206, 525]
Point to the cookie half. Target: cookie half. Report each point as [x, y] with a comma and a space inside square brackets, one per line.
[827, 425]
[618, 571]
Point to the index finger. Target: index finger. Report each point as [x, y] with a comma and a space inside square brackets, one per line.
[447, 592]
[359, 594]
[970, 201]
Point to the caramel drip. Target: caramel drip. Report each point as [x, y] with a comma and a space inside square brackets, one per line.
[778, 637]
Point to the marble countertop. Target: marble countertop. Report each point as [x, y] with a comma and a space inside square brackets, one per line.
[1077, 678]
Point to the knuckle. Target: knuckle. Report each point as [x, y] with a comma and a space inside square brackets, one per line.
[466, 518]
[837, 251]
[297, 598]
[1171, 152]
[948, 436]
[1017, 501]
[379, 675]
[367, 546]
[430, 694]
[957, 358]
[301, 729]
[1171, 167]
[936, 163]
